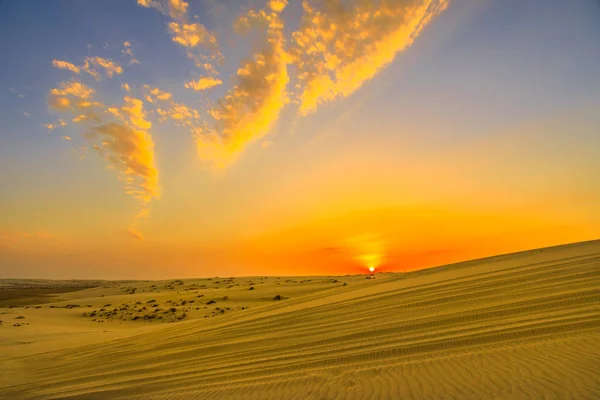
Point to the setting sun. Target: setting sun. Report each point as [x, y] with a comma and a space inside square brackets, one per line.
[372, 269]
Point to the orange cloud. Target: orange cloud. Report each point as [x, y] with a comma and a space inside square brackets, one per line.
[249, 109]
[203, 83]
[157, 94]
[342, 44]
[127, 52]
[120, 133]
[134, 233]
[191, 35]
[66, 65]
[110, 67]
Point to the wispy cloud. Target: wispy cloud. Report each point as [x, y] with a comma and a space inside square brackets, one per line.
[92, 64]
[120, 135]
[342, 44]
[66, 65]
[128, 53]
[201, 44]
[251, 107]
[203, 83]
[134, 233]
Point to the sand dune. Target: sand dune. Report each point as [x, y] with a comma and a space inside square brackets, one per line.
[520, 326]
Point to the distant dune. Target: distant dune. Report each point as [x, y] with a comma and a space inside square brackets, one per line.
[519, 326]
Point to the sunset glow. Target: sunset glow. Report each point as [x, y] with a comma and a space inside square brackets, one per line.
[165, 138]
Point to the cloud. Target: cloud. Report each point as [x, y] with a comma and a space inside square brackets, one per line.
[201, 44]
[134, 233]
[120, 134]
[126, 87]
[342, 44]
[128, 53]
[131, 151]
[157, 94]
[66, 137]
[66, 65]
[203, 83]
[72, 88]
[110, 67]
[191, 35]
[248, 111]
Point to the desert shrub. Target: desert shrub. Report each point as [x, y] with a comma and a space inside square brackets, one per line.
[211, 302]
[226, 298]
[172, 309]
[251, 288]
[20, 317]
[183, 303]
[106, 305]
[277, 298]
[151, 301]
[345, 284]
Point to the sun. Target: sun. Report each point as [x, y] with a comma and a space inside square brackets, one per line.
[372, 269]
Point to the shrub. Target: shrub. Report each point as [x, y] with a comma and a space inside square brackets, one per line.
[226, 298]
[277, 298]
[251, 288]
[20, 317]
[151, 301]
[211, 302]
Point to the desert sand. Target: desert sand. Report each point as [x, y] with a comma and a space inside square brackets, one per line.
[518, 326]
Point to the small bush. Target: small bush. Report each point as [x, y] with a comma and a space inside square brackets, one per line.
[20, 317]
[251, 288]
[211, 302]
[151, 301]
[226, 298]
[277, 298]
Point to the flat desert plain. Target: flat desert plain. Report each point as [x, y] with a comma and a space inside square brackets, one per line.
[518, 326]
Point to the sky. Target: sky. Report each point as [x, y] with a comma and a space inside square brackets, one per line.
[154, 139]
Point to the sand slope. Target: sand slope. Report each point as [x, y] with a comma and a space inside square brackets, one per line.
[522, 326]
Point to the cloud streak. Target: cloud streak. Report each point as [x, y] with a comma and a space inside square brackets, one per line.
[201, 44]
[120, 136]
[248, 111]
[342, 44]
